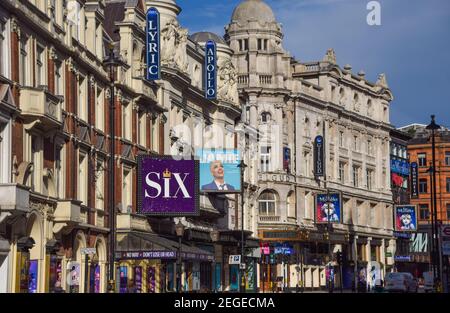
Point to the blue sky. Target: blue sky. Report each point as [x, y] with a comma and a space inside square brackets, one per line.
[412, 45]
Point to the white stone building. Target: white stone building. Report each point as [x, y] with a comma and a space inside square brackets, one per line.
[290, 103]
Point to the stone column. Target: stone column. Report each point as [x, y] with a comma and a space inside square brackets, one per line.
[355, 259]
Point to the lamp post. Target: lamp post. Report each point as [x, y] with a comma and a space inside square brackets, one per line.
[111, 63]
[215, 237]
[242, 165]
[435, 253]
[179, 228]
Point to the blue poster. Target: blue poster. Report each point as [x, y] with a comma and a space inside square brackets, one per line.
[219, 170]
[153, 47]
[210, 70]
[123, 288]
[234, 277]
[218, 277]
[33, 275]
[328, 208]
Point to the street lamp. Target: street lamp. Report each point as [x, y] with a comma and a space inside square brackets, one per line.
[111, 63]
[179, 228]
[435, 255]
[242, 165]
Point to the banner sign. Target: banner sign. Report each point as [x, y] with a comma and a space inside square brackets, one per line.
[319, 158]
[166, 255]
[287, 159]
[168, 187]
[219, 170]
[153, 46]
[210, 70]
[400, 167]
[284, 249]
[405, 217]
[414, 181]
[328, 208]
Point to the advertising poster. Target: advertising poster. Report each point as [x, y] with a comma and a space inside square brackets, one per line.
[219, 170]
[328, 209]
[33, 276]
[218, 276]
[95, 278]
[74, 277]
[234, 277]
[374, 274]
[151, 281]
[55, 273]
[287, 159]
[24, 268]
[168, 187]
[123, 283]
[405, 217]
[250, 275]
[138, 279]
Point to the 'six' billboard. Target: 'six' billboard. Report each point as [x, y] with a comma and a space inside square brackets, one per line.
[168, 187]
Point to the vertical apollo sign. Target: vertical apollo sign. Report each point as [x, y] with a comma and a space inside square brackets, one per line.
[414, 181]
[210, 70]
[153, 47]
[319, 159]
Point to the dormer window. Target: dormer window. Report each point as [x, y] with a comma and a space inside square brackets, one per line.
[262, 44]
[243, 44]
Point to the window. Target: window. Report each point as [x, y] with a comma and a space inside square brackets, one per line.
[369, 147]
[447, 158]
[355, 176]
[3, 49]
[342, 172]
[422, 157]
[40, 66]
[59, 169]
[24, 65]
[141, 128]
[369, 108]
[59, 82]
[265, 159]
[448, 211]
[355, 142]
[82, 177]
[266, 117]
[127, 189]
[245, 44]
[100, 185]
[341, 138]
[126, 121]
[369, 177]
[291, 205]
[260, 44]
[306, 163]
[267, 203]
[82, 96]
[424, 212]
[154, 142]
[100, 109]
[448, 185]
[35, 157]
[423, 186]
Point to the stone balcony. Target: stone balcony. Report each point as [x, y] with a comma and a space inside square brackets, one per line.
[67, 215]
[269, 219]
[14, 200]
[132, 222]
[39, 105]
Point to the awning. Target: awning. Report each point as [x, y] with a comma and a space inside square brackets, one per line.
[134, 245]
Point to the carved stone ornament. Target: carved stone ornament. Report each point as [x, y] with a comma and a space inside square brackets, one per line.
[173, 46]
[227, 82]
[330, 56]
[53, 54]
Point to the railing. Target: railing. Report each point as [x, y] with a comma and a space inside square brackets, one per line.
[265, 79]
[312, 67]
[269, 219]
[243, 79]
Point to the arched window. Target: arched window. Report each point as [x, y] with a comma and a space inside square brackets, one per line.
[369, 108]
[266, 117]
[356, 102]
[267, 203]
[341, 96]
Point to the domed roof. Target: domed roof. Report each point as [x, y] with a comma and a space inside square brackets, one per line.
[205, 36]
[253, 10]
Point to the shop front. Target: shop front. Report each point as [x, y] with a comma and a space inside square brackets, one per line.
[156, 270]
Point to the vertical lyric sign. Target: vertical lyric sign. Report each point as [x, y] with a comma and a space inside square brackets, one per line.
[319, 151]
[210, 70]
[153, 47]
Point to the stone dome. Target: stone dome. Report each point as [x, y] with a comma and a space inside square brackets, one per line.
[253, 10]
[205, 36]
